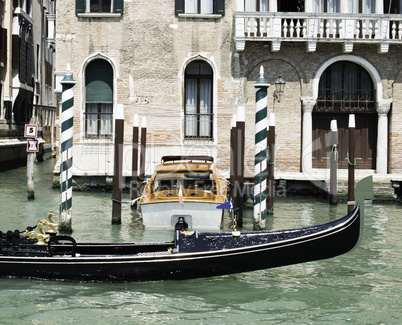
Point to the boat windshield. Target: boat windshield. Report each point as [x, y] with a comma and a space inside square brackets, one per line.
[165, 181]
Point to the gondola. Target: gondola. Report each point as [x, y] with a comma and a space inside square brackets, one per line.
[191, 254]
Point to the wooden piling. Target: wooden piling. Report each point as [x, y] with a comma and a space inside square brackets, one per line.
[232, 149]
[30, 175]
[31, 132]
[134, 165]
[143, 153]
[233, 160]
[333, 187]
[240, 135]
[271, 164]
[118, 159]
[351, 163]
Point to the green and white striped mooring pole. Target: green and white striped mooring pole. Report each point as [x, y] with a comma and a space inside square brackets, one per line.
[66, 151]
[260, 160]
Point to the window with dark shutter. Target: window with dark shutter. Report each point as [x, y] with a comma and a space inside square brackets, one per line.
[22, 68]
[179, 4]
[118, 6]
[199, 7]
[30, 60]
[219, 7]
[3, 56]
[99, 6]
[80, 6]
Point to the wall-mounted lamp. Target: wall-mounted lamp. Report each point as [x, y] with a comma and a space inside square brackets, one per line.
[279, 88]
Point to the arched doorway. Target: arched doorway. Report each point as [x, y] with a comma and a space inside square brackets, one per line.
[344, 88]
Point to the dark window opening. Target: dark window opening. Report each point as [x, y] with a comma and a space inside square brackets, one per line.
[345, 87]
[198, 112]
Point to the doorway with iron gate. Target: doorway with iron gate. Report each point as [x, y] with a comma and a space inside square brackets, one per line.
[345, 88]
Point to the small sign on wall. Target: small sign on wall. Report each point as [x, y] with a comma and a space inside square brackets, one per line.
[32, 145]
[31, 131]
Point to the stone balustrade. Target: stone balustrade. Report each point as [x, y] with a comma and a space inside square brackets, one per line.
[349, 29]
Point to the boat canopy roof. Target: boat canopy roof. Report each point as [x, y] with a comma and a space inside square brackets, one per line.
[185, 157]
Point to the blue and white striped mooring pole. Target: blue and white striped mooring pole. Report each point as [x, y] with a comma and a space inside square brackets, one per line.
[66, 151]
[260, 160]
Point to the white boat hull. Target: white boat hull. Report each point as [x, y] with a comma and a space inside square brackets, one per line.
[198, 215]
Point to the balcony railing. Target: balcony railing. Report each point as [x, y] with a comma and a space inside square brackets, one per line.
[349, 29]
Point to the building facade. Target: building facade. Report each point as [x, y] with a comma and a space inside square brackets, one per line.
[27, 82]
[186, 65]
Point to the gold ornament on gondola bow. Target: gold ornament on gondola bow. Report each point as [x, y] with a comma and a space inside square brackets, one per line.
[40, 236]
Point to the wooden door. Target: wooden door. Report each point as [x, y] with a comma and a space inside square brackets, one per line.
[365, 140]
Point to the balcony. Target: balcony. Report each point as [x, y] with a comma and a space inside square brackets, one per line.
[313, 28]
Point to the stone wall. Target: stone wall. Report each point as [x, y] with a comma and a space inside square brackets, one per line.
[149, 47]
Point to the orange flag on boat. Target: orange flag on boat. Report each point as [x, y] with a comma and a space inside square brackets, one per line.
[180, 195]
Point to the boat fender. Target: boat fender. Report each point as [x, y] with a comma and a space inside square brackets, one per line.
[236, 233]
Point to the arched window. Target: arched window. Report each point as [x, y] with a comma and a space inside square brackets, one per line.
[198, 112]
[345, 87]
[98, 99]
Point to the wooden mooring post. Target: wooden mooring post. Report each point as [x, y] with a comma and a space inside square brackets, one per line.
[233, 160]
[333, 182]
[117, 168]
[30, 175]
[143, 153]
[351, 163]
[271, 164]
[31, 132]
[239, 183]
[134, 161]
[232, 150]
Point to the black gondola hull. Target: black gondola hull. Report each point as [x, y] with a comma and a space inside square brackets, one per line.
[191, 255]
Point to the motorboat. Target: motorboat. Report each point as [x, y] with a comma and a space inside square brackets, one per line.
[187, 189]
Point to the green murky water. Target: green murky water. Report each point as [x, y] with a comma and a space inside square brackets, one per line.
[361, 287]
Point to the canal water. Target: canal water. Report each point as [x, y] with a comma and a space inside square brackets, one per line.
[361, 287]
